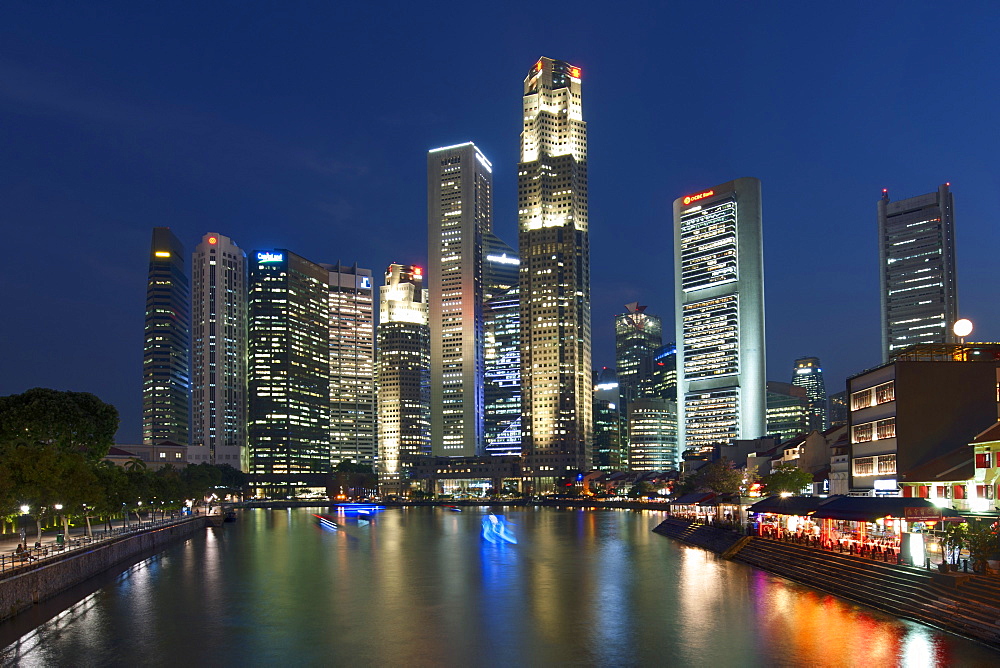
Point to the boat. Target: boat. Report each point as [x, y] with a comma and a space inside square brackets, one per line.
[230, 516]
[454, 509]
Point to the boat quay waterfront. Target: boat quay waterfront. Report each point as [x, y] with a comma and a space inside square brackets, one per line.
[53, 568]
[962, 603]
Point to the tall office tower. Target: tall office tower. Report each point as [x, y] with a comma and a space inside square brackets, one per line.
[664, 380]
[166, 350]
[501, 269]
[502, 357]
[638, 336]
[352, 365]
[808, 374]
[219, 352]
[288, 373]
[652, 435]
[917, 269]
[610, 437]
[719, 283]
[788, 413]
[459, 217]
[553, 241]
[838, 410]
[402, 373]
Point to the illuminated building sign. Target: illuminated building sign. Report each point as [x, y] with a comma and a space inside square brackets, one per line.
[574, 72]
[695, 198]
[366, 283]
[162, 253]
[503, 259]
[417, 271]
[213, 240]
[270, 257]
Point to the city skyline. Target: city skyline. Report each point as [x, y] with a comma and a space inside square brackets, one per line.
[283, 173]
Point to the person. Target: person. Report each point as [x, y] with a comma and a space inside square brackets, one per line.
[19, 552]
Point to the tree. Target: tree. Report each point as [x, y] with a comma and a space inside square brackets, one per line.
[786, 478]
[721, 477]
[641, 489]
[70, 421]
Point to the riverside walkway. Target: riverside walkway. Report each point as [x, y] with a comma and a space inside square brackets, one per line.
[49, 548]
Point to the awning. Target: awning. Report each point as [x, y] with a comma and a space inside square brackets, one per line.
[871, 508]
[693, 499]
[787, 505]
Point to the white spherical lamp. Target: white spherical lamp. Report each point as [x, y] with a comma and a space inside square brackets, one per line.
[962, 328]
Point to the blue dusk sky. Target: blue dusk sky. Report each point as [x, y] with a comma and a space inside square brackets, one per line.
[305, 125]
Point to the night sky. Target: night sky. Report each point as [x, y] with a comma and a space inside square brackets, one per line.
[306, 125]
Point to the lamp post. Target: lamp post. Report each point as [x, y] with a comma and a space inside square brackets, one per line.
[25, 509]
[962, 328]
[62, 520]
[138, 515]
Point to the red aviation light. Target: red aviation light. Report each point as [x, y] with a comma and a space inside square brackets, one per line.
[213, 240]
[695, 198]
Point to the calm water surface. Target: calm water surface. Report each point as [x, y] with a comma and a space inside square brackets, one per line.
[420, 587]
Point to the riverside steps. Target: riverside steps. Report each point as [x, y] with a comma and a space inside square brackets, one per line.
[42, 577]
[965, 604]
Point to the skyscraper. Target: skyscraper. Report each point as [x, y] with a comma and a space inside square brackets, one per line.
[219, 352]
[808, 374]
[166, 352]
[664, 382]
[652, 435]
[554, 245]
[459, 216]
[719, 282]
[352, 365]
[503, 374]
[403, 373]
[787, 410]
[288, 373]
[638, 336]
[917, 269]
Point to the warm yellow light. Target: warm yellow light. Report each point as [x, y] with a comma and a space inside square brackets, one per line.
[162, 253]
[962, 328]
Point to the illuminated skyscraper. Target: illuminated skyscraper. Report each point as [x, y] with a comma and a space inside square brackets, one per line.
[288, 373]
[166, 353]
[503, 374]
[638, 336]
[808, 374]
[556, 393]
[352, 365]
[403, 373]
[917, 269]
[787, 410]
[459, 217]
[652, 435]
[219, 352]
[719, 282]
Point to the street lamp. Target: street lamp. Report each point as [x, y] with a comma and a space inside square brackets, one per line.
[25, 509]
[138, 515]
[962, 328]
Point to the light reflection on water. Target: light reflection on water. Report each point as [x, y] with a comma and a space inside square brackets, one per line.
[420, 587]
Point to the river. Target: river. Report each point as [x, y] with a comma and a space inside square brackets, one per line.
[422, 587]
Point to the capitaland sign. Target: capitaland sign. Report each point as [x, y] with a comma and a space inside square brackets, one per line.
[270, 257]
[695, 198]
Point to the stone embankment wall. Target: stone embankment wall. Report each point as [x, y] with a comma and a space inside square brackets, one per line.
[22, 590]
[702, 535]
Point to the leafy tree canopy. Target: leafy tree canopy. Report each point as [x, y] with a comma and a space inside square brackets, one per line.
[70, 421]
[721, 477]
[786, 478]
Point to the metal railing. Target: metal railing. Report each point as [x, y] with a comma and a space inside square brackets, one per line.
[33, 556]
